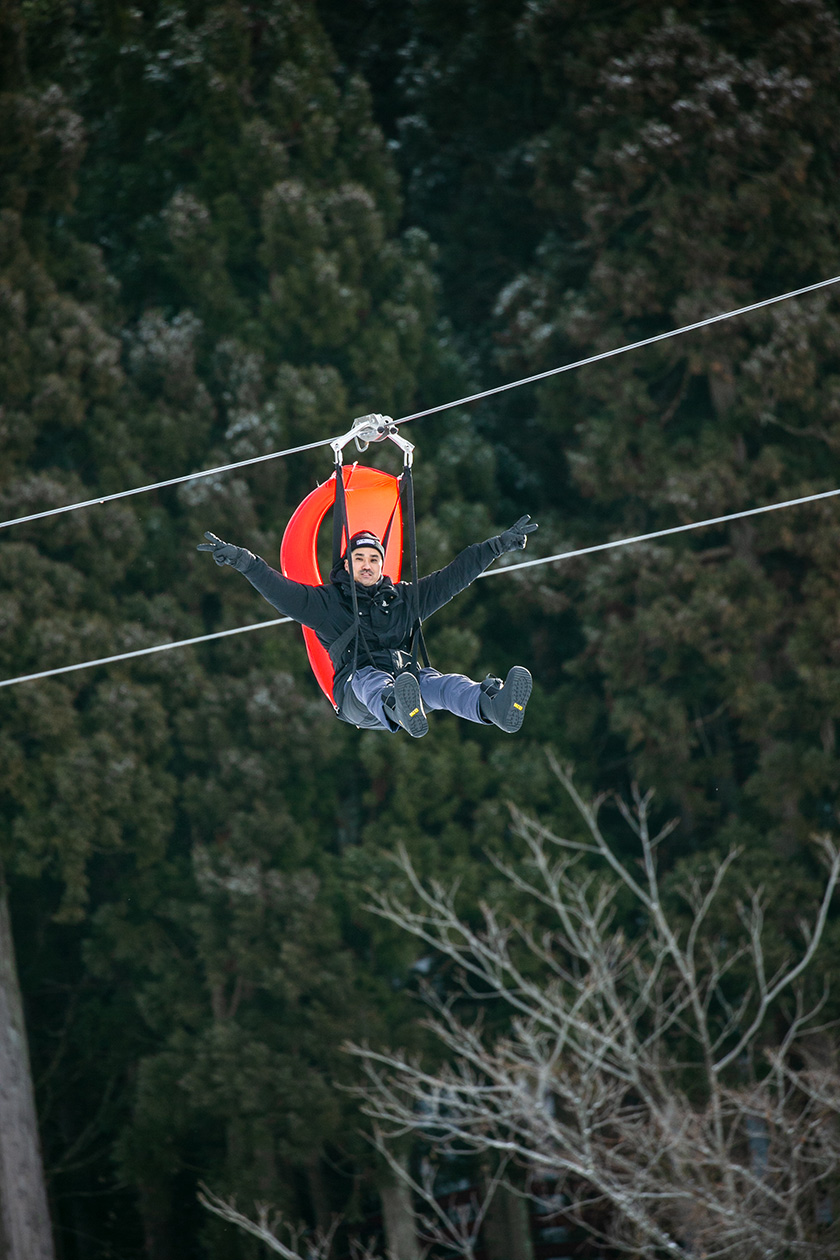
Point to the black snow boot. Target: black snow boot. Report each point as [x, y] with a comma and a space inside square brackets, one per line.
[504, 702]
[405, 706]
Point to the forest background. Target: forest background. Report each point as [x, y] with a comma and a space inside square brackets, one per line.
[230, 228]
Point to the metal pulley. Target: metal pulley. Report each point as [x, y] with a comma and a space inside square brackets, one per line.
[373, 428]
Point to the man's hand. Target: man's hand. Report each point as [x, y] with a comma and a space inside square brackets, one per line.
[515, 538]
[226, 553]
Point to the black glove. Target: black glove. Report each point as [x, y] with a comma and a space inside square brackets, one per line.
[225, 553]
[515, 538]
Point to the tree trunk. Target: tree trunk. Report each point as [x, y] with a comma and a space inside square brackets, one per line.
[318, 1197]
[398, 1218]
[25, 1232]
[507, 1228]
[155, 1207]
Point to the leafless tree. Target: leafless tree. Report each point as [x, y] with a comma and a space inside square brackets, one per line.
[272, 1229]
[454, 1227]
[645, 1069]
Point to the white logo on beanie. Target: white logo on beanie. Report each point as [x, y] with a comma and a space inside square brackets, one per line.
[366, 539]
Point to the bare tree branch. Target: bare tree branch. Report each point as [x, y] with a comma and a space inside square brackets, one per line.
[267, 1228]
[637, 1068]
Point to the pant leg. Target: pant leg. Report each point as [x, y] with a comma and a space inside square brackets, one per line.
[453, 692]
[368, 686]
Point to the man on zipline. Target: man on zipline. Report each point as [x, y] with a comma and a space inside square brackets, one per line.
[383, 693]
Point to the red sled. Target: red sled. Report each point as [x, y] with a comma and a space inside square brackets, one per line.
[373, 502]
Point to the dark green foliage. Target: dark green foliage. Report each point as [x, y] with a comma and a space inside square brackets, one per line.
[209, 250]
[705, 185]
[229, 281]
[454, 87]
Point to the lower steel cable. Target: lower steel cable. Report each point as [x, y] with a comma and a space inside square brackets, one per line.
[502, 569]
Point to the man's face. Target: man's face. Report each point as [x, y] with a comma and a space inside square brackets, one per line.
[367, 566]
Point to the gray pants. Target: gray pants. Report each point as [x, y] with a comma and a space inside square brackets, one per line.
[453, 692]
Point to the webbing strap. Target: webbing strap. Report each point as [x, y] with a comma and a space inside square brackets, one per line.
[341, 530]
[340, 646]
[341, 526]
[418, 643]
[339, 517]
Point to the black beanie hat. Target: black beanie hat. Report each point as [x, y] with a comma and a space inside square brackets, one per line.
[366, 538]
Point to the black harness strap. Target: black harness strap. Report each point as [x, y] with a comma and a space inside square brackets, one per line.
[341, 529]
[341, 539]
[418, 643]
[340, 646]
[339, 516]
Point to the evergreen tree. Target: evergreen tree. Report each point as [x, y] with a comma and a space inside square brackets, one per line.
[205, 256]
[84, 773]
[700, 177]
[454, 88]
[222, 278]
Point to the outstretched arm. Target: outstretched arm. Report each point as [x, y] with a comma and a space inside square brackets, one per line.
[438, 588]
[294, 599]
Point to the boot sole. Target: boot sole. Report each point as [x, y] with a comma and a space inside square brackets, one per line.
[515, 695]
[408, 706]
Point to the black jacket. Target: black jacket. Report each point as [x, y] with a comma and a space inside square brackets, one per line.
[385, 610]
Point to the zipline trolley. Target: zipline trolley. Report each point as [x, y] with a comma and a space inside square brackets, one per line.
[362, 498]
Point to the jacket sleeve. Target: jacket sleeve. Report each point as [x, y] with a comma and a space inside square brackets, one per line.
[438, 588]
[306, 604]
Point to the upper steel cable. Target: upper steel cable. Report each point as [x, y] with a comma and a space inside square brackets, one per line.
[498, 389]
[505, 569]
[611, 354]
[161, 485]
[417, 415]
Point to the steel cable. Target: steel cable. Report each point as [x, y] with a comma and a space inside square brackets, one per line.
[502, 569]
[417, 415]
[509, 568]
